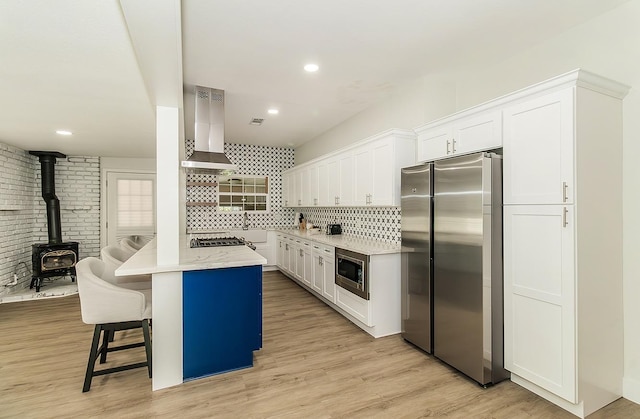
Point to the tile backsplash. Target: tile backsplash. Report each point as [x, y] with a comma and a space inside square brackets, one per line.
[374, 223]
[251, 160]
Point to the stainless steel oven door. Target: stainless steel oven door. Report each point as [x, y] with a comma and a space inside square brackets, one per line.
[352, 272]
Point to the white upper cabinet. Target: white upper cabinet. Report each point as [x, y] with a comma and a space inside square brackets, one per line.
[377, 170]
[363, 168]
[538, 150]
[435, 143]
[333, 181]
[324, 197]
[478, 132]
[313, 195]
[345, 193]
[286, 189]
[460, 135]
[365, 174]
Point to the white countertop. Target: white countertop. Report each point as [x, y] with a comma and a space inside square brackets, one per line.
[145, 261]
[343, 241]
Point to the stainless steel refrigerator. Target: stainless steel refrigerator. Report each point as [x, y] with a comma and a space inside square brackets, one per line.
[465, 273]
[416, 227]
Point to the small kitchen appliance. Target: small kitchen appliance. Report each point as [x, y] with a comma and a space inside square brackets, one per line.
[333, 229]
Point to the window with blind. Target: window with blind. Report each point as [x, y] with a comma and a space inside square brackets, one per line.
[135, 204]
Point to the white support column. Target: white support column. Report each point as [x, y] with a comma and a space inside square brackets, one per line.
[168, 175]
[167, 329]
[167, 287]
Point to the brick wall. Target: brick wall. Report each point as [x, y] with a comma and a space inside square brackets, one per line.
[23, 219]
[16, 214]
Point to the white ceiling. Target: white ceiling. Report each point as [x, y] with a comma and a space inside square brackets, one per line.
[70, 64]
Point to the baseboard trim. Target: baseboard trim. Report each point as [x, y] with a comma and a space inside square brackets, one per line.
[631, 389]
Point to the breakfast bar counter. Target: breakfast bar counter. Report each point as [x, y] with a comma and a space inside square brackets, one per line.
[207, 310]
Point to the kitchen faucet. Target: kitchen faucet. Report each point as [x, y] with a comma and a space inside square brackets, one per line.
[245, 222]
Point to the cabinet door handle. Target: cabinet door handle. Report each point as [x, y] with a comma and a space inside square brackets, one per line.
[286, 247]
[564, 217]
[301, 253]
[453, 149]
[448, 143]
[565, 197]
[320, 261]
[280, 243]
[315, 201]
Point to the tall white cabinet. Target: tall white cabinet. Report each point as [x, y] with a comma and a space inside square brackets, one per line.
[562, 144]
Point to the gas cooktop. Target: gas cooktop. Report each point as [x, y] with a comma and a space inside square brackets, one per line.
[220, 241]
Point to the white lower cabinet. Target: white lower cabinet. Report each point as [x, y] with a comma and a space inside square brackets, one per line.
[539, 296]
[379, 316]
[356, 306]
[318, 270]
[323, 281]
[329, 276]
[307, 263]
[279, 250]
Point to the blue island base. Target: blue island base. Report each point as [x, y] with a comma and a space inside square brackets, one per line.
[222, 320]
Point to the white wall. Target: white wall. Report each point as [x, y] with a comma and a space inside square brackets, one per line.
[413, 104]
[607, 45]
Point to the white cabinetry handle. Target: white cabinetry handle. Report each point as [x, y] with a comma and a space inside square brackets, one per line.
[448, 143]
[565, 197]
[315, 201]
[320, 260]
[564, 217]
[453, 149]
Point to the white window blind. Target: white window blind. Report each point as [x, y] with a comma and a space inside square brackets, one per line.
[135, 203]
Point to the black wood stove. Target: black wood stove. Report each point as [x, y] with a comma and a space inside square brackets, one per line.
[55, 258]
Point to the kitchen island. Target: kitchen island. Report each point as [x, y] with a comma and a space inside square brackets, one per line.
[208, 318]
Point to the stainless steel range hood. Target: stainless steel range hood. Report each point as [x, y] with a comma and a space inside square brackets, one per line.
[208, 156]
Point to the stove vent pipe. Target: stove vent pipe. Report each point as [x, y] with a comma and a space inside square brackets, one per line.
[47, 165]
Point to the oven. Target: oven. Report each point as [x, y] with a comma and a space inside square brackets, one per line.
[352, 272]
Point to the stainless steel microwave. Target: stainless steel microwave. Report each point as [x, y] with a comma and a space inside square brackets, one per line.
[352, 272]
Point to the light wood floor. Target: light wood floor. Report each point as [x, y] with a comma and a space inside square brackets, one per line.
[314, 364]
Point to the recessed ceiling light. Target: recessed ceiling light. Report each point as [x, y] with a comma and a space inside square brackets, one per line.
[63, 132]
[311, 68]
[273, 111]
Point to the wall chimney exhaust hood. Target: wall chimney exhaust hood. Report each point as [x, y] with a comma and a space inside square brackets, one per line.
[208, 156]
